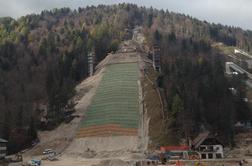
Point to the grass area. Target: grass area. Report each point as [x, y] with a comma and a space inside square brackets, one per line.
[116, 99]
[227, 50]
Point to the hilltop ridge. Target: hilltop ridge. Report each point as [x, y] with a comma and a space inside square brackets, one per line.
[44, 60]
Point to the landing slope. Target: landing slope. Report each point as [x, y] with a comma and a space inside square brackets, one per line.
[112, 123]
[114, 110]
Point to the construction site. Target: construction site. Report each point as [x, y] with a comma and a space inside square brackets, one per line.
[117, 120]
[110, 122]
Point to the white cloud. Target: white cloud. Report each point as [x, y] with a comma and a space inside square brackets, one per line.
[231, 12]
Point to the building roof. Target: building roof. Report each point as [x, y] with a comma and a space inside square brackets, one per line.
[200, 138]
[174, 148]
[3, 140]
[207, 139]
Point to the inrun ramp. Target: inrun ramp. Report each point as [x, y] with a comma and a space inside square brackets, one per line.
[115, 107]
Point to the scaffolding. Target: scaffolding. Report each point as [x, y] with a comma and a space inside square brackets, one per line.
[156, 58]
[91, 61]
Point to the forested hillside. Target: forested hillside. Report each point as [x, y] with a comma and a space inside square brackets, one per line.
[43, 57]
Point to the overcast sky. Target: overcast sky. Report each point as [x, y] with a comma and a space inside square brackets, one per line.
[229, 12]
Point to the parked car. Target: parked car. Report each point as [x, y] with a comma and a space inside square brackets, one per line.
[48, 151]
[153, 157]
[34, 162]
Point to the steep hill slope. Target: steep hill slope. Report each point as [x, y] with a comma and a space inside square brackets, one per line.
[112, 122]
[115, 103]
[53, 46]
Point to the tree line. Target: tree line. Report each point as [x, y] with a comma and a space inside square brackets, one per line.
[197, 91]
[43, 56]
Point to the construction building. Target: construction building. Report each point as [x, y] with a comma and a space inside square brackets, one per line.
[156, 57]
[3, 148]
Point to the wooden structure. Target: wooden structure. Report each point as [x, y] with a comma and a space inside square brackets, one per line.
[3, 148]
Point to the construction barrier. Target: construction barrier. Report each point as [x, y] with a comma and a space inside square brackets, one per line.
[173, 148]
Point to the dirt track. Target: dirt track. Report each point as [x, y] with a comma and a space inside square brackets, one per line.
[63, 135]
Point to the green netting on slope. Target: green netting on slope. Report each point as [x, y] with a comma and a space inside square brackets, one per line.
[116, 99]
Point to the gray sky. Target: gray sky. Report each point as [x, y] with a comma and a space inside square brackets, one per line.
[229, 12]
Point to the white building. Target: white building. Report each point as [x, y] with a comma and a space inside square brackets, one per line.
[3, 148]
[208, 146]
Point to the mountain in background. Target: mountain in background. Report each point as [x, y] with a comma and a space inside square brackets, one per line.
[43, 57]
